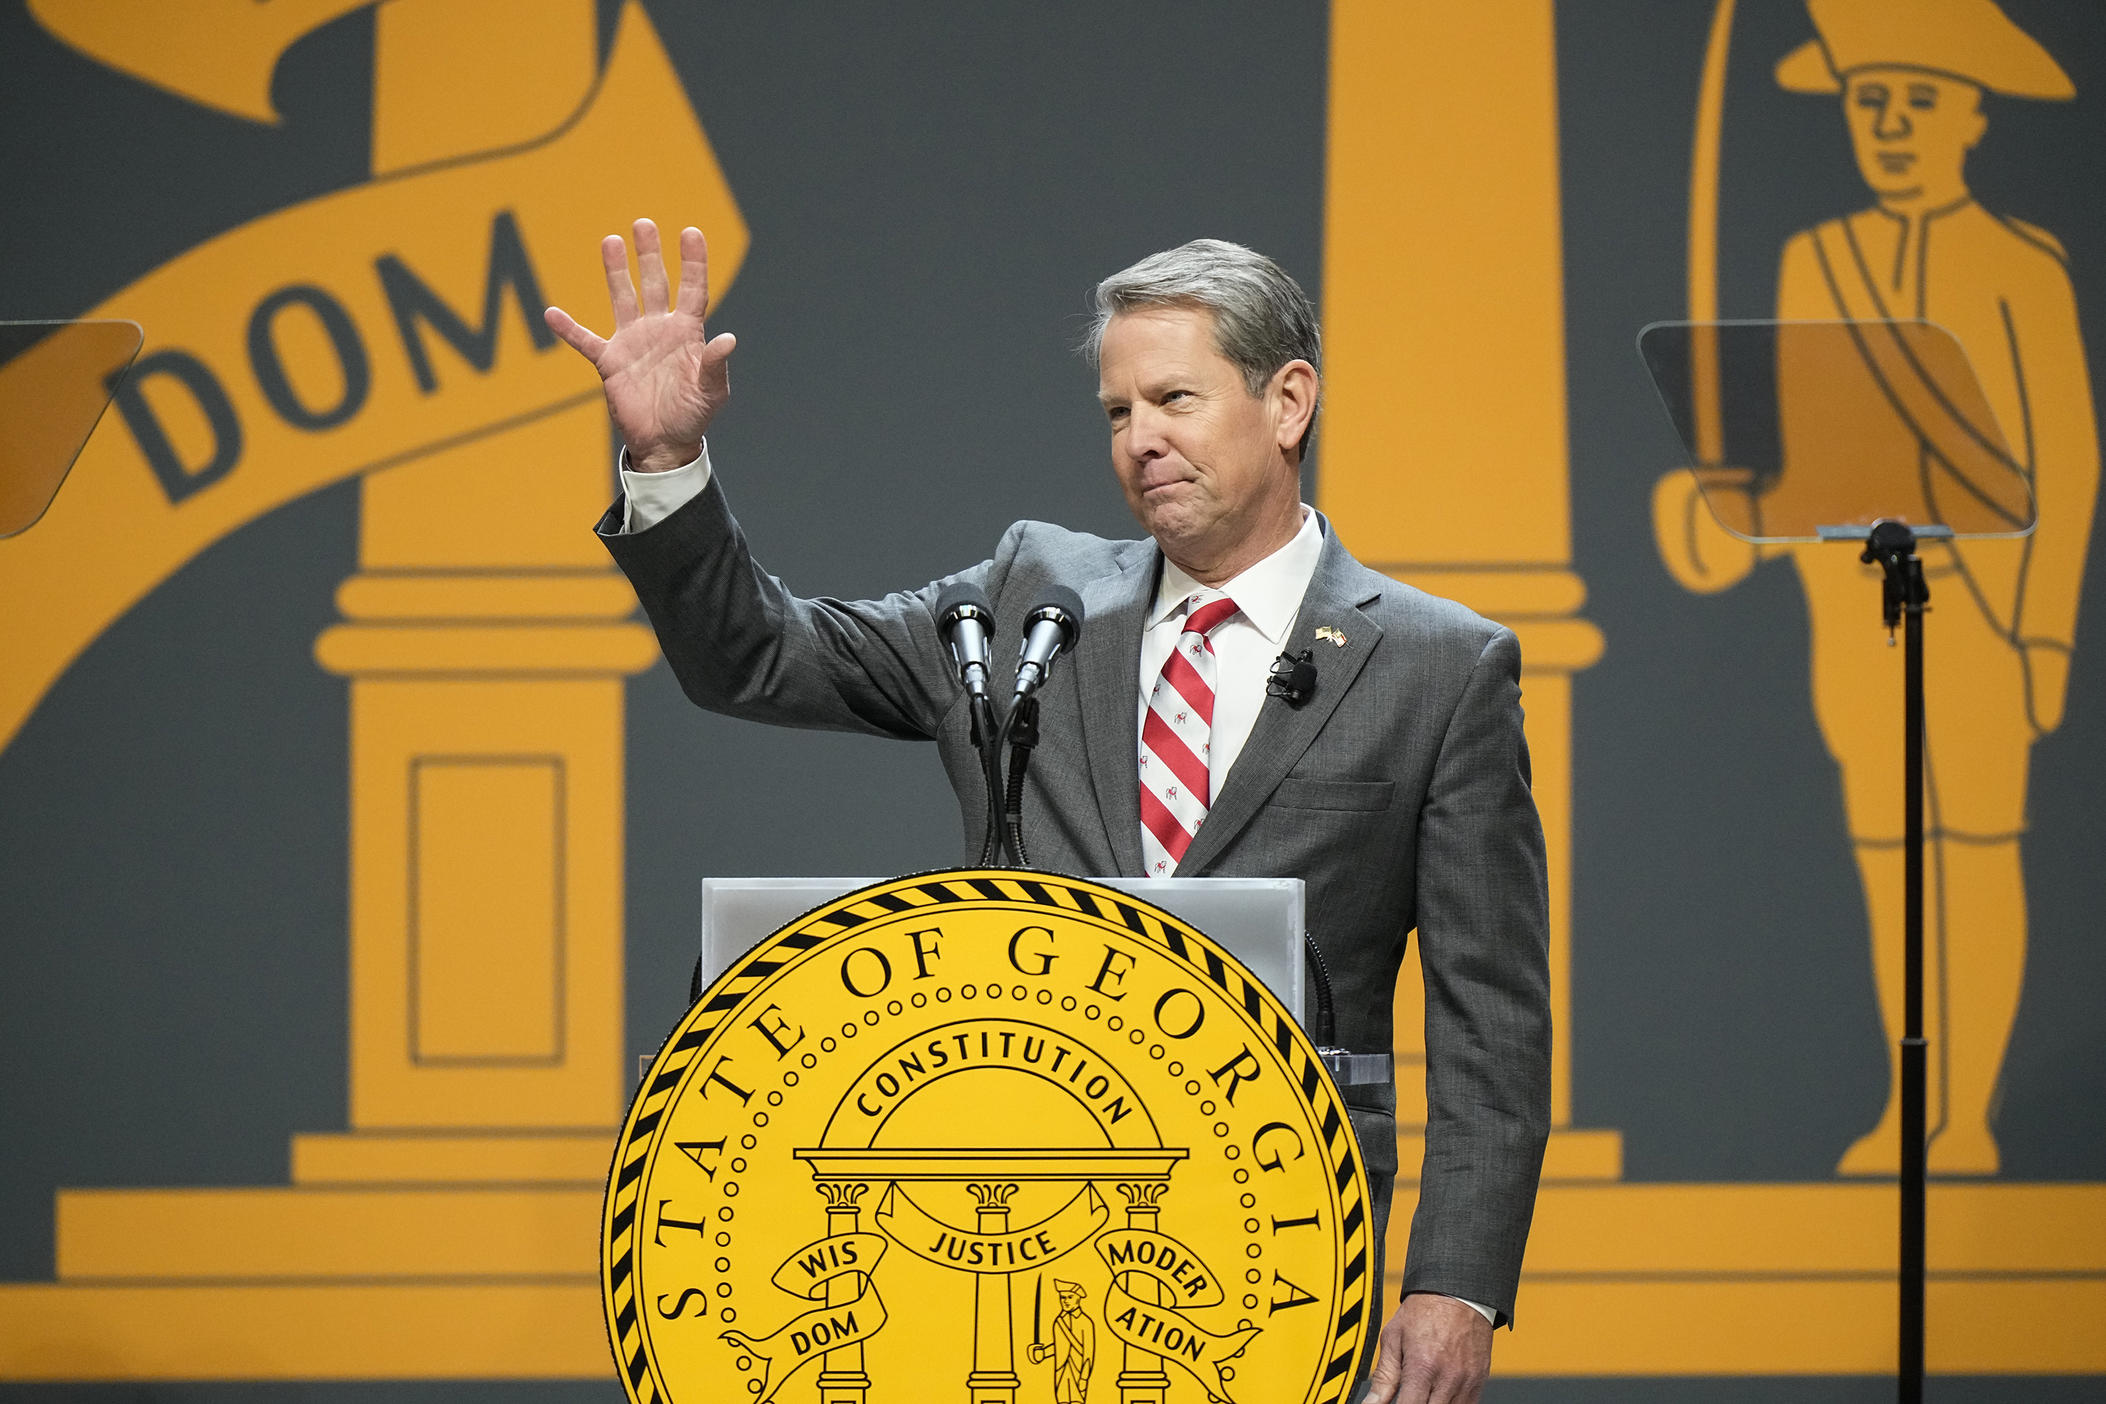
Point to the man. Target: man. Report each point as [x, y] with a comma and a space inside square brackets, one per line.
[2003, 622]
[1073, 1349]
[1398, 791]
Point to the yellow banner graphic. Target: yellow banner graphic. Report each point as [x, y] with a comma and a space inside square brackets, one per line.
[811, 1334]
[1161, 1327]
[1012, 1250]
[806, 1272]
[354, 332]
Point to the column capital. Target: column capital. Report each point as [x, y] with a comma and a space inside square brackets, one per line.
[1142, 1196]
[842, 1196]
[993, 1198]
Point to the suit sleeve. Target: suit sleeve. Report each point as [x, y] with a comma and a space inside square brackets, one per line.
[1484, 924]
[742, 644]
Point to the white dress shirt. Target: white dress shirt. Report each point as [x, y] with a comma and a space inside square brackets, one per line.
[1268, 597]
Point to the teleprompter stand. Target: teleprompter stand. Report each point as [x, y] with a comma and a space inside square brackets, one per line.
[1874, 434]
[1904, 599]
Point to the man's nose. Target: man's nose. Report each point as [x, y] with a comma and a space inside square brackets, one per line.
[1144, 434]
[1893, 123]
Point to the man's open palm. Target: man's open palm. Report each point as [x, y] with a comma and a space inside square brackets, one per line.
[665, 377]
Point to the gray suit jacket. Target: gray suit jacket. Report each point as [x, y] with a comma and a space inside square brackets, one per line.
[1399, 793]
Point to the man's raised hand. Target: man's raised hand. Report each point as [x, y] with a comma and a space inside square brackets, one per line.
[664, 376]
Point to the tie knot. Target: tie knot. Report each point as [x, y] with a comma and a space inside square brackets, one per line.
[1204, 619]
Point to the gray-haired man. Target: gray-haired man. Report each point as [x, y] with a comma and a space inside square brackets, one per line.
[1399, 792]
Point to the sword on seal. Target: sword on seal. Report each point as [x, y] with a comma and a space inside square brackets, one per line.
[1038, 1308]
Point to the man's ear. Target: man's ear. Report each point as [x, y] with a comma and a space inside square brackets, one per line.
[1977, 118]
[1293, 394]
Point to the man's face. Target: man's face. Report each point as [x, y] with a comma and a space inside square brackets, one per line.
[1200, 458]
[1912, 131]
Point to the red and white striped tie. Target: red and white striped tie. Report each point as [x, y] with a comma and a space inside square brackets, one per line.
[1175, 788]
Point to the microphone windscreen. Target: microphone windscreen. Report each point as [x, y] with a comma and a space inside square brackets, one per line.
[961, 593]
[1069, 603]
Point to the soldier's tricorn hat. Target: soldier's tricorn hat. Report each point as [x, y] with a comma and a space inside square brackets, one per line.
[1967, 39]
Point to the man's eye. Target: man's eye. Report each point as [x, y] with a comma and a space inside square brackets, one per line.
[1871, 97]
[1173, 396]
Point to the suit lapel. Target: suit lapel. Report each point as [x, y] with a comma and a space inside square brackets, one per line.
[1283, 733]
[1108, 670]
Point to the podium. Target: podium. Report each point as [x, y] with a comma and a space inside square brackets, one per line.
[1259, 920]
[959, 1132]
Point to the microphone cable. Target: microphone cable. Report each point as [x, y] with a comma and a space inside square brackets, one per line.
[987, 739]
[1021, 731]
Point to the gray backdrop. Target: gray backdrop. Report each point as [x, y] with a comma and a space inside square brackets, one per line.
[930, 200]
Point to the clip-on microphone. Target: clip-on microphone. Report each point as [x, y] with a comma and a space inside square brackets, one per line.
[1293, 679]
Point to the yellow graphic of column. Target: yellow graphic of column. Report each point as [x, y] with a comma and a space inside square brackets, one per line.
[1443, 456]
[449, 1232]
[487, 643]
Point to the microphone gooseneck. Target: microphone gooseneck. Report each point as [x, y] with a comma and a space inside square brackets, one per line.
[1050, 629]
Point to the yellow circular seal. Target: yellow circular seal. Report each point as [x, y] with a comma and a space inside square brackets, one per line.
[991, 1135]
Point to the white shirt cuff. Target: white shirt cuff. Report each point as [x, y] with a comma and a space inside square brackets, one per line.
[1479, 1307]
[649, 498]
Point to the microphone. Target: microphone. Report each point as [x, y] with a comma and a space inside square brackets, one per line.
[965, 621]
[1049, 631]
[1292, 679]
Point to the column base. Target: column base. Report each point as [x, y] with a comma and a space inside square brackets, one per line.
[1143, 1387]
[992, 1386]
[448, 1158]
[843, 1387]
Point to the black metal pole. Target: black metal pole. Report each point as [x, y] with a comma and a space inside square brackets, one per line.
[1914, 1073]
[1905, 599]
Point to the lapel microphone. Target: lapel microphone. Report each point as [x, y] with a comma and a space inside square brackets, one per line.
[1293, 678]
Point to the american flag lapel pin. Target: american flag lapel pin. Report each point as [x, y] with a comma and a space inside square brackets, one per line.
[1325, 631]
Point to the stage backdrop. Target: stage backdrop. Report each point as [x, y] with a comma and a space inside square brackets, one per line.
[350, 831]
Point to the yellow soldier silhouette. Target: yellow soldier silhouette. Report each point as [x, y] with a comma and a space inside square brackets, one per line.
[1073, 1349]
[1911, 74]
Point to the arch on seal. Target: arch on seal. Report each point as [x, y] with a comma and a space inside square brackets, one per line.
[992, 1044]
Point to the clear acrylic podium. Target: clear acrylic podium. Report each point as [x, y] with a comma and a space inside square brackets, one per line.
[1875, 436]
[1814, 431]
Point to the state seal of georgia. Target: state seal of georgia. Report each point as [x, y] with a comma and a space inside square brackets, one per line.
[997, 1136]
